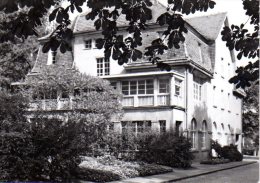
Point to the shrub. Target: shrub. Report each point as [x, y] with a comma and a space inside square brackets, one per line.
[230, 152]
[96, 175]
[227, 152]
[215, 161]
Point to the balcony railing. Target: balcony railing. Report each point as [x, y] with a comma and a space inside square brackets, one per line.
[145, 100]
[163, 100]
[128, 101]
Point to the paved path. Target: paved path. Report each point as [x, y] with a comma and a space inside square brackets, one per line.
[180, 174]
[243, 174]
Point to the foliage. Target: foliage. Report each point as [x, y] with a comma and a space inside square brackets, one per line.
[50, 146]
[227, 152]
[105, 15]
[251, 114]
[215, 161]
[165, 149]
[246, 44]
[103, 166]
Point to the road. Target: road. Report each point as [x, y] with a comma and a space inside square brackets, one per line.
[244, 174]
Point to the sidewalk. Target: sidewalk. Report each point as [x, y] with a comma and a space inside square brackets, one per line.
[179, 174]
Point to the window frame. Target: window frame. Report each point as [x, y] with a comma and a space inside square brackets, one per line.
[88, 44]
[103, 66]
[133, 89]
[193, 134]
[204, 135]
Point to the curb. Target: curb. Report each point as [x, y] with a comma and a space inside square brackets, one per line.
[209, 172]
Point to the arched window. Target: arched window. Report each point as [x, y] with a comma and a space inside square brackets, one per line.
[204, 134]
[194, 133]
[229, 140]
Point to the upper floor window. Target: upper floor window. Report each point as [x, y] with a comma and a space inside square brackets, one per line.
[197, 91]
[137, 87]
[52, 57]
[163, 86]
[103, 67]
[178, 87]
[88, 44]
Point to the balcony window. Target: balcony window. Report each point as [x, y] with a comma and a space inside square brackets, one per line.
[163, 86]
[138, 87]
[178, 87]
[103, 67]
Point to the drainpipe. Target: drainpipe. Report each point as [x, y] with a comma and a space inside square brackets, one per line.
[186, 102]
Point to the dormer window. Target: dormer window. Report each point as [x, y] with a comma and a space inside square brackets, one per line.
[52, 57]
[88, 44]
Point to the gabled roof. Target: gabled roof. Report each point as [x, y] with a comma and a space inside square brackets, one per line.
[209, 26]
[80, 24]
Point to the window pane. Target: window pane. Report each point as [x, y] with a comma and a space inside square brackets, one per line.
[133, 88]
[88, 44]
[125, 87]
[149, 86]
[164, 86]
[141, 87]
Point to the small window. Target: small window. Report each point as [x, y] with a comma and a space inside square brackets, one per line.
[53, 57]
[114, 85]
[88, 44]
[178, 87]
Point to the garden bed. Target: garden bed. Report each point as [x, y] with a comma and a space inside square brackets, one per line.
[215, 161]
[108, 168]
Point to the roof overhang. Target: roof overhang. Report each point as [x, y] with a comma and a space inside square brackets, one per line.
[143, 74]
[239, 93]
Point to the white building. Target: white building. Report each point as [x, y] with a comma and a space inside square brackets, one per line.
[195, 97]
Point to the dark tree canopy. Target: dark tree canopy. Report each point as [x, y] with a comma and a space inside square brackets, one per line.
[137, 14]
[246, 44]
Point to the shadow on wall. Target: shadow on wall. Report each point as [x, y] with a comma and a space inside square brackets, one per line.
[201, 114]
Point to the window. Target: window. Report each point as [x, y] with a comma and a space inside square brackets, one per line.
[163, 86]
[178, 87]
[204, 134]
[88, 44]
[135, 126]
[114, 85]
[197, 91]
[52, 57]
[193, 133]
[162, 124]
[51, 94]
[103, 67]
[178, 127]
[140, 87]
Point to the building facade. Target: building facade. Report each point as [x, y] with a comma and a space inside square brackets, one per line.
[194, 98]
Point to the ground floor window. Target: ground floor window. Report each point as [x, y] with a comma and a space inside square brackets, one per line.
[193, 134]
[204, 134]
[135, 127]
[162, 124]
